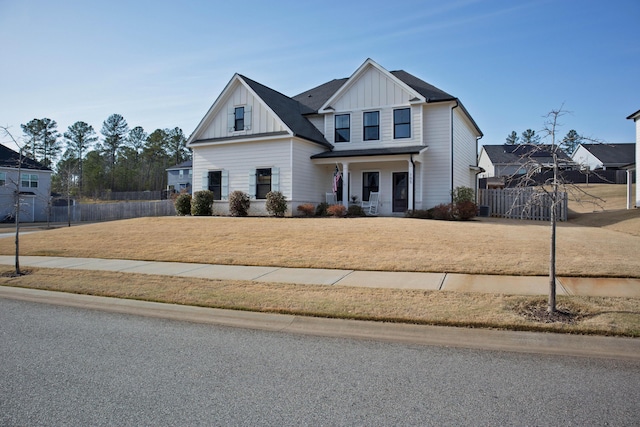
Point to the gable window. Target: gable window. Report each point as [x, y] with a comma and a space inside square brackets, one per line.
[402, 123]
[239, 119]
[370, 182]
[3, 179]
[263, 183]
[371, 125]
[215, 184]
[343, 128]
[29, 180]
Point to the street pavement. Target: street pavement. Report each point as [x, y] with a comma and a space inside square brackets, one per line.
[514, 285]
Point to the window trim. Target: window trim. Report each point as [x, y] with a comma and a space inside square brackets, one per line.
[396, 124]
[365, 126]
[31, 180]
[336, 128]
[263, 185]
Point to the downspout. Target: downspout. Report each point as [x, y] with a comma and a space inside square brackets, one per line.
[451, 186]
[478, 138]
[413, 183]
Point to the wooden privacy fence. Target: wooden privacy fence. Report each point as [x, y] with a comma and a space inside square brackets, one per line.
[112, 211]
[522, 203]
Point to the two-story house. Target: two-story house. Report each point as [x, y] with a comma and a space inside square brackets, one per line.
[378, 131]
[31, 179]
[179, 177]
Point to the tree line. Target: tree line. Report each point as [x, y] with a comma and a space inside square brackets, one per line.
[121, 159]
[568, 144]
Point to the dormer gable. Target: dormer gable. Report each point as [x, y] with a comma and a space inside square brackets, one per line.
[371, 86]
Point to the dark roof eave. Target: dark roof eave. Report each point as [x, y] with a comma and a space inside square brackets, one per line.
[371, 152]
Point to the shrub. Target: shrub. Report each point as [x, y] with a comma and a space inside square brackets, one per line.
[276, 203]
[202, 203]
[321, 209]
[420, 214]
[465, 210]
[183, 204]
[337, 210]
[462, 194]
[355, 210]
[308, 209]
[239, 203]
[443, 211]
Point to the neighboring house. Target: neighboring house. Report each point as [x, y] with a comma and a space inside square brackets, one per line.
[376, 131]
[179, 177]
[604, 156]
[508, 160]
[34, 182]
[636, 118]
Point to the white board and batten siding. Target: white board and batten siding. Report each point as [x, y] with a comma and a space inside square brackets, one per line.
[258, 118]
[373, 91]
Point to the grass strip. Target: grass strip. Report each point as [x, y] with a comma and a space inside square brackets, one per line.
[589, 315]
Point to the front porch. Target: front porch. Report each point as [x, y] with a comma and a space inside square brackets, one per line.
[391, 172]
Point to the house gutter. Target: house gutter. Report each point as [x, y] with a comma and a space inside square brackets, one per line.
[413, 183]
[451, 186]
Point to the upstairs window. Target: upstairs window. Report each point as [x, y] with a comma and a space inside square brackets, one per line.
[238, 119]
[371, 121]
[343, 128]
[29, 180]
[402, 123]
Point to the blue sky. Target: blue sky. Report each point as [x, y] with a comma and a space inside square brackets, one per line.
[161, 64]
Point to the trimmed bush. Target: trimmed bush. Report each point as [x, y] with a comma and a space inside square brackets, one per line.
[465, 210]
[420, 214]
[239, 203]
[443, 211]
[337, 211]
[321, 209]
[308, 209]
[276, 203]
[462, 194]
[202, 203]
[355, 210]
[183, 204]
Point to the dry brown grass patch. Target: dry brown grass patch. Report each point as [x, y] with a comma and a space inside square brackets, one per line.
[612, 316]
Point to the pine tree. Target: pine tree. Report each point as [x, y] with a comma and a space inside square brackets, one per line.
[512, 138]
[79, 138]
[529, 137]
[570, 142]
[114, 130]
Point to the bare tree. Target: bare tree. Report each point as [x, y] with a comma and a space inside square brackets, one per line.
[7, 133]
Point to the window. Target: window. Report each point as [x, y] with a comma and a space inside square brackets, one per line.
[3, 178]
[29, 180]
[371, 125]
[370, 182]
[402, 123]
[239, 119]
[263, 183]
[215, 184]
[343, 128]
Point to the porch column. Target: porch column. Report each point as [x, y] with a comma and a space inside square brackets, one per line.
[410, 205]
[345, 185]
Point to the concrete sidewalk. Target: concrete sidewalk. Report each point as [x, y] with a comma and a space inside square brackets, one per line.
[516, 285]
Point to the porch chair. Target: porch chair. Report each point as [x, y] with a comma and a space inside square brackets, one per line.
[370, 206]
[330, 198]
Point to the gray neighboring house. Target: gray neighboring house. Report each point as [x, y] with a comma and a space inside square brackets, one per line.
[605, 156]
[180, 177]
[509, 160]
[34, 183]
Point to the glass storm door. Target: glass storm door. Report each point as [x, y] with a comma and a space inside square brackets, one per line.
[400, 191]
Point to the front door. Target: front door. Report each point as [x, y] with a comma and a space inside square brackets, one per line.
[400, 191]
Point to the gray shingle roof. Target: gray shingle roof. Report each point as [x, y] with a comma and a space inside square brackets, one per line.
[432, 93]
[10, 159]
[316, 97]
[289, 110]
[184, 165]
[613, 155]
[522, 153]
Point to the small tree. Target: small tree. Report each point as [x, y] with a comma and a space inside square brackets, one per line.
[529, 137]
[239, 203]
[16, 193]
[570, 142]
[276, 203]
[202, 203]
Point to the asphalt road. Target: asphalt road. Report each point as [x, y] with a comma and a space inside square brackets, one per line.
[78, 367]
